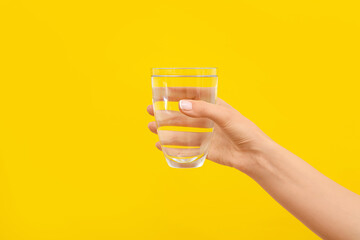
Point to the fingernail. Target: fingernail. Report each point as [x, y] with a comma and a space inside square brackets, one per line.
[185, 105]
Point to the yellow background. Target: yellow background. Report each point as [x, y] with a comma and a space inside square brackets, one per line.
[76, 158]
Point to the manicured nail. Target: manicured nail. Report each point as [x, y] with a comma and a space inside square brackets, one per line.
[185, 105]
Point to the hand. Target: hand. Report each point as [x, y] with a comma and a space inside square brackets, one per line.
[237, 142]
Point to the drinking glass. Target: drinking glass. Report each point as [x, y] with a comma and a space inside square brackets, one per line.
[184, 140]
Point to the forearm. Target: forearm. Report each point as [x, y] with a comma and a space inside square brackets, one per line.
[328, 209]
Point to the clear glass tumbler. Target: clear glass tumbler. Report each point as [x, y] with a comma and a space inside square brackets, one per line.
[184, 140]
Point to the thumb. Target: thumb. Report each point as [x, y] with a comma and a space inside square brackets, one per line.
[201, 109]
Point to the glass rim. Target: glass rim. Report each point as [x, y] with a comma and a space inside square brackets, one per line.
[184, 72]
[187, 68]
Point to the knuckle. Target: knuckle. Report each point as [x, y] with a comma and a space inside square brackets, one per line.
[227, 118]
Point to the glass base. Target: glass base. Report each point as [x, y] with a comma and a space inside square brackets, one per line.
[194, 164]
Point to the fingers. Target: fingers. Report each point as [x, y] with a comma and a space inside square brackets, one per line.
[178, 138]
[174, 118]
[150, 110]
[158, 145]
[200, 109]
[152, 127]
[177, 93]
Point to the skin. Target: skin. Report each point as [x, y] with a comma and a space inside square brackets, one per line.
[328, 209]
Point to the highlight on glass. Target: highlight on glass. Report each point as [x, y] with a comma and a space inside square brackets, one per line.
[184, 140]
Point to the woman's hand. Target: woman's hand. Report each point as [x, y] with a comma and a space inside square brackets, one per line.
[237, 142]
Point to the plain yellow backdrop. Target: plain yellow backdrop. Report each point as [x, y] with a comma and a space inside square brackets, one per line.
[76, 158]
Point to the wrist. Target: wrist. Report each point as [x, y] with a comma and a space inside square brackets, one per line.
[259, 159]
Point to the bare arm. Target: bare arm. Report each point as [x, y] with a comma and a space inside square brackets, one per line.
[328, 209]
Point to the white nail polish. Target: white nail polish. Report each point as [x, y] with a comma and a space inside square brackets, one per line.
[185, 105]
